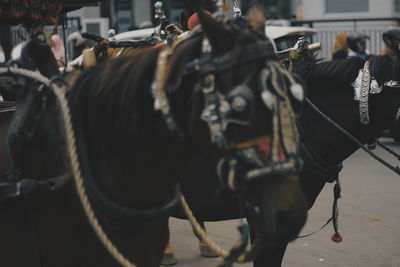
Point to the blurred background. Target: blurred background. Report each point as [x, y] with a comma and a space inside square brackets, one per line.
[327, 17]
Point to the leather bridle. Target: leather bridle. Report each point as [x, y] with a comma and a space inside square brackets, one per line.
[218, 109]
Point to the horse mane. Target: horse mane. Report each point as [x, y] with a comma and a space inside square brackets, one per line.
[111, 103]
[343, 71]
[385, 68]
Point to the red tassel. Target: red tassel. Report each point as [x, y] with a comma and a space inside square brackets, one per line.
[337, 238]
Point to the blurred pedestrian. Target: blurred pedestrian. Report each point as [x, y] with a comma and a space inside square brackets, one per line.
[78, 42]
[57, 47]
[341, 47]
[194, 20]
[358, 46]
[391, 37]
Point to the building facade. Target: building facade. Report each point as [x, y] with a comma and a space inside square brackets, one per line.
[124, 15]
[349, 9]
[348, 17]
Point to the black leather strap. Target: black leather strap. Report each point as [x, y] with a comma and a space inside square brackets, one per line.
[315, 164]
[26, 186]
[208, 63]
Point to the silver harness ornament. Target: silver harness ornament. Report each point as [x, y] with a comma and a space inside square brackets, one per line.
[364, 94]
[366, 85]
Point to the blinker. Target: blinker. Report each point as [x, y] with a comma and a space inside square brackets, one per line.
[238, 104]
[242, 102]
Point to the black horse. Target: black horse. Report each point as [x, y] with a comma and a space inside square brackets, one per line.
[132, 161]
[330, 87]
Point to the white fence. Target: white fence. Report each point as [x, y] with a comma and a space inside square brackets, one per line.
[327, 31]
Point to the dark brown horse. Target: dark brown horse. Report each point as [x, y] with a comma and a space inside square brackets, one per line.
[133, 163]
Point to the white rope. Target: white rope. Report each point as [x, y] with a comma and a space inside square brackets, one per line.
[205, 237]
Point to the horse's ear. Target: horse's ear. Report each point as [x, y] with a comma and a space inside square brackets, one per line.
[256, 17]
[220, 38]
[183, 21]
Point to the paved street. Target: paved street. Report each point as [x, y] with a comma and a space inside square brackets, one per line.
[369, 223]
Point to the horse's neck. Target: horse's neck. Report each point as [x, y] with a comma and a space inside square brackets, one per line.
[321, 136]
[144, 175]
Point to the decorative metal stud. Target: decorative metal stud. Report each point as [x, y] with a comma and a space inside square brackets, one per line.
[297, 91]
[238, 104]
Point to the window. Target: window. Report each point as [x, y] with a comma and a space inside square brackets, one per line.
[341, 6]
[397, 5]
[93, 28]
[178, 4]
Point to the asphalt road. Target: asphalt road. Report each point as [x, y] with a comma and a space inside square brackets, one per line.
[369, 223]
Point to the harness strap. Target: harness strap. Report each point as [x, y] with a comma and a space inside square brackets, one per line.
[209, 63]
[23, 187]
[211, 113]
[162, 102]
[318, 166]
[396, 169]
[252, 142]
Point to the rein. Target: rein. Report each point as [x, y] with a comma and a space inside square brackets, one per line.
[337, 189]
[11, 190]
[395, 169]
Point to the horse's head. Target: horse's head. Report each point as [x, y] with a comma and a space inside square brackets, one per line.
[226, 75]
[33, 122]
